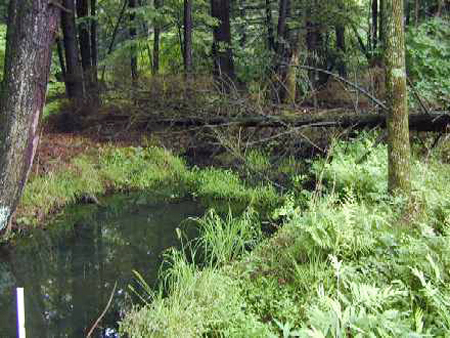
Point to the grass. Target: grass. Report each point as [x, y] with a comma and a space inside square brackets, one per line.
[348, 262]
[150, 169]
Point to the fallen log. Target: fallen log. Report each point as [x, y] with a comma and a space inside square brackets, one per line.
[433, 122]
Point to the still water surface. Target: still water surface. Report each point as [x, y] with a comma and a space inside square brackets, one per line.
[69, 271]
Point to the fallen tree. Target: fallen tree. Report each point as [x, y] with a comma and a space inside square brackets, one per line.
[433, 122]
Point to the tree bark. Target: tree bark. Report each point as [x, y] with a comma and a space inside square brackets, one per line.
[94, 52]
[397, 118]
[94, 43]
[340, 44]
[434, 122]
[269, 25]
[374, 24]
[133, 56]
[223, 70]
[156, 34]
[62, 62]
[188, 37]
[284, 56]
[30, 33]
[84, 39]
[74, 78]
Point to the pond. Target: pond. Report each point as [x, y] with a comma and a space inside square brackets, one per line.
[69, 270]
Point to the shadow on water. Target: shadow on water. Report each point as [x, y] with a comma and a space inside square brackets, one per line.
[69, 271]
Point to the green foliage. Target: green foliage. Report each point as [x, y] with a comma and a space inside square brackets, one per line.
[201, 303]
[111, 169]
[223, 240]
[343, 265]
[143, 168]
[345, 172]
[428, 55]
[226, 185]
[150, 169]
[342, 229]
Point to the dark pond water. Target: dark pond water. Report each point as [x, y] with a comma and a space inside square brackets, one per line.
[69, 271]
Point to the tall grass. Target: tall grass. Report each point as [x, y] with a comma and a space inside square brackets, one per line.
[224, 239]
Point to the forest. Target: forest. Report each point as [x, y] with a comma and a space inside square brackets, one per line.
[225, 168]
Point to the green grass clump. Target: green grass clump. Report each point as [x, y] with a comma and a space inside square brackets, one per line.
[225, 239]
[111, 169]
[201, 303]
[150, 169]
[226, 185]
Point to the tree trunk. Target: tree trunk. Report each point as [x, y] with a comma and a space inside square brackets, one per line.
[281, 28]
[269, 24]
[114, 34]
[85, 46]
[94, 32]
[62, 62]
[221, 50]
[74, 78]
[374, 24]
[31, 29]
[381, 23]
[187, 37]
[397, 118]
[284, 48]
[291, 76]
[157, 31]
[133, 56]
[315, 45]
[340, 44]
[94, 50]
[429, 122]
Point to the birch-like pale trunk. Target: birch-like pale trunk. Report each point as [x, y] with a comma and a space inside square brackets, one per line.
[31, 28]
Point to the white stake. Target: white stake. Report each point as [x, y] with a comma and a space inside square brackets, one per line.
[20, 313]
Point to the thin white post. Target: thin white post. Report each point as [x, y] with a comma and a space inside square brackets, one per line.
[20, 313]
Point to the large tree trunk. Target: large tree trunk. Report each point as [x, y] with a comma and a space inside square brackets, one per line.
[74, 75]
[222, 53]
[31, 28]
[397, 119]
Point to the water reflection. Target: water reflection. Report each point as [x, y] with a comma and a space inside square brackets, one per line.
[69, 272]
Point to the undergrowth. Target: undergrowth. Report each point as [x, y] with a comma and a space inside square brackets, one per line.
[150, 169]
[350, 261]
